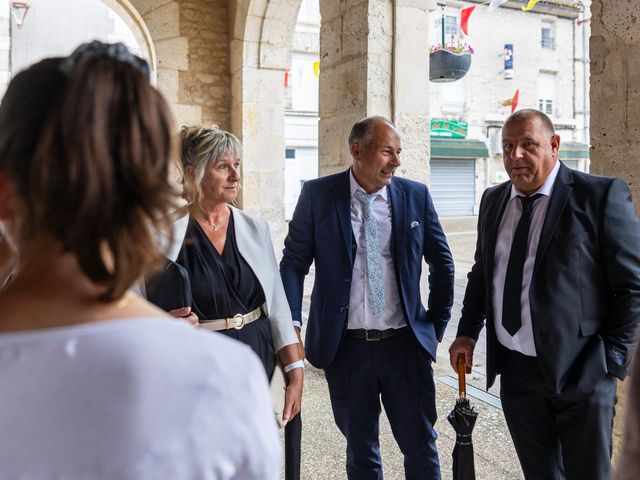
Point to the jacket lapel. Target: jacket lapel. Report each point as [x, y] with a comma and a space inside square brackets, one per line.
[559, 196]
[246, 240]
[398, 220]
[490, 233]
[341, 193]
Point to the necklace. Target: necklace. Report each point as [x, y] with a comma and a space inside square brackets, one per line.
[213, 226]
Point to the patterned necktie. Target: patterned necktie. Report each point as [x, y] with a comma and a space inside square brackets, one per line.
[372, 253]
[511, 301]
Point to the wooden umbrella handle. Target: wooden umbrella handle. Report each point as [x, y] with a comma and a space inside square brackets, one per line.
[462, 383]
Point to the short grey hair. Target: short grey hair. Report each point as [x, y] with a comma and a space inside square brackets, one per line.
[201, 148]
[362, 130]
[520, 116]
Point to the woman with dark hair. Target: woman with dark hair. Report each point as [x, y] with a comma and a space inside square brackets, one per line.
[235, 282]
[96, 382]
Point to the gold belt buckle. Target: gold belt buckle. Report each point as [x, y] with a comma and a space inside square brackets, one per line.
[238, 321]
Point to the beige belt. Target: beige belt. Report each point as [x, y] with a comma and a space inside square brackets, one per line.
[237, 321]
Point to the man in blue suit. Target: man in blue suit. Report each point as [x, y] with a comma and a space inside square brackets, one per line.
[368, 233]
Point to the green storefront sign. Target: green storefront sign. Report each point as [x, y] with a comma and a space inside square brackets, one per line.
[448, 128]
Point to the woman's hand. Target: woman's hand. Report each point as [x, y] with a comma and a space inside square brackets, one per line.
[295, 379]
[185, 313]
[293, 393]
[301, 351]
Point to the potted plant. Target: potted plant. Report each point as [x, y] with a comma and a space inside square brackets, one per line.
[450, 62]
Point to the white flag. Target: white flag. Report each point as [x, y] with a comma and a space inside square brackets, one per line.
[496, 3]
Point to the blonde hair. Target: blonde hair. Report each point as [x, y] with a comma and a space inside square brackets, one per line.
[201, 148]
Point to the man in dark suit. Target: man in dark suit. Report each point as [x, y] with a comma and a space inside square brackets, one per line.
[557, 278]
[368, 233]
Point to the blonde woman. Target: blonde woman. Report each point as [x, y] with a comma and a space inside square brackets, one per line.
[235, 281]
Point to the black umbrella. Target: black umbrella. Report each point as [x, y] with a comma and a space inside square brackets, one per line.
[463, 418]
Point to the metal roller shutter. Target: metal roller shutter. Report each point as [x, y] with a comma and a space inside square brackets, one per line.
[452, 187]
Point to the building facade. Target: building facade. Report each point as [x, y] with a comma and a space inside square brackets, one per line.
[542, 54]
[548, 66]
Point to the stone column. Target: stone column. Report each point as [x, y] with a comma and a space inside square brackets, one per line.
[260, 54]
[374, 61]
[615, 110]
[411, 85]
[257, 118]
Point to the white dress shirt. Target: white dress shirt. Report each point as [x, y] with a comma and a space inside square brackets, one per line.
[360, 314]
[522, 341]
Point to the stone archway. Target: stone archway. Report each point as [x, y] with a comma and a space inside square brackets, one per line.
[130, 16]
[260, 47]
[166, 22]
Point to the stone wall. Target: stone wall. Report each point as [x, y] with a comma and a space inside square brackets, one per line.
[343, 79]
[615, 91]
[191, 41]
[615, 110]
[207, 83]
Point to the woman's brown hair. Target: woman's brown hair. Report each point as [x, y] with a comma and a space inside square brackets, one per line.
[88, 142]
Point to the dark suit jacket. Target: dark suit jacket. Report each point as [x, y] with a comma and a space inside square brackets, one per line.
[585, 289]
[321, 230]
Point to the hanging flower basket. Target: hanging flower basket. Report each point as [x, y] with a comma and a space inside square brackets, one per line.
[446, 66]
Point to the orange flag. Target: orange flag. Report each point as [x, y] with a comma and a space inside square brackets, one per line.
[464, 18]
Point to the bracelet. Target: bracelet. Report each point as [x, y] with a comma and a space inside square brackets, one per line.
[291, 366]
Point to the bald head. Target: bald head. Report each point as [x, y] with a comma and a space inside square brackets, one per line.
[362, 131]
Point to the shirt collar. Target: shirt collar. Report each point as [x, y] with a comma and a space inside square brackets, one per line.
[356, 186]
[545, 189]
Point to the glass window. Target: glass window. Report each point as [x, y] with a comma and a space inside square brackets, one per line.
[451, 24]
[547, 93]
[546, 35]
[452, 97]
[545, 106]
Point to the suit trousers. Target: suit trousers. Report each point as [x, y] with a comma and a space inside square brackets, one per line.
[556, 438]
[396, 371]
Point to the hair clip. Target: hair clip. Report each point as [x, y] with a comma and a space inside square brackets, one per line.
[96, 49]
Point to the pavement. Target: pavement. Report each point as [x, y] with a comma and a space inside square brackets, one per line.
[323, 447]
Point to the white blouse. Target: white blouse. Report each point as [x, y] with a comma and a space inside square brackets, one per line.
[133, 399]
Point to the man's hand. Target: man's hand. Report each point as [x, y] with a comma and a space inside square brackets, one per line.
[185, 313]
[462, 346]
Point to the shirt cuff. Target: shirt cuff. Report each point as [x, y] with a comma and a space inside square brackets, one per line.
[297, 323]
[291, 366]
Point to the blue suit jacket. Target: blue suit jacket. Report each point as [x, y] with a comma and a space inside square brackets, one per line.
[321, 230]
